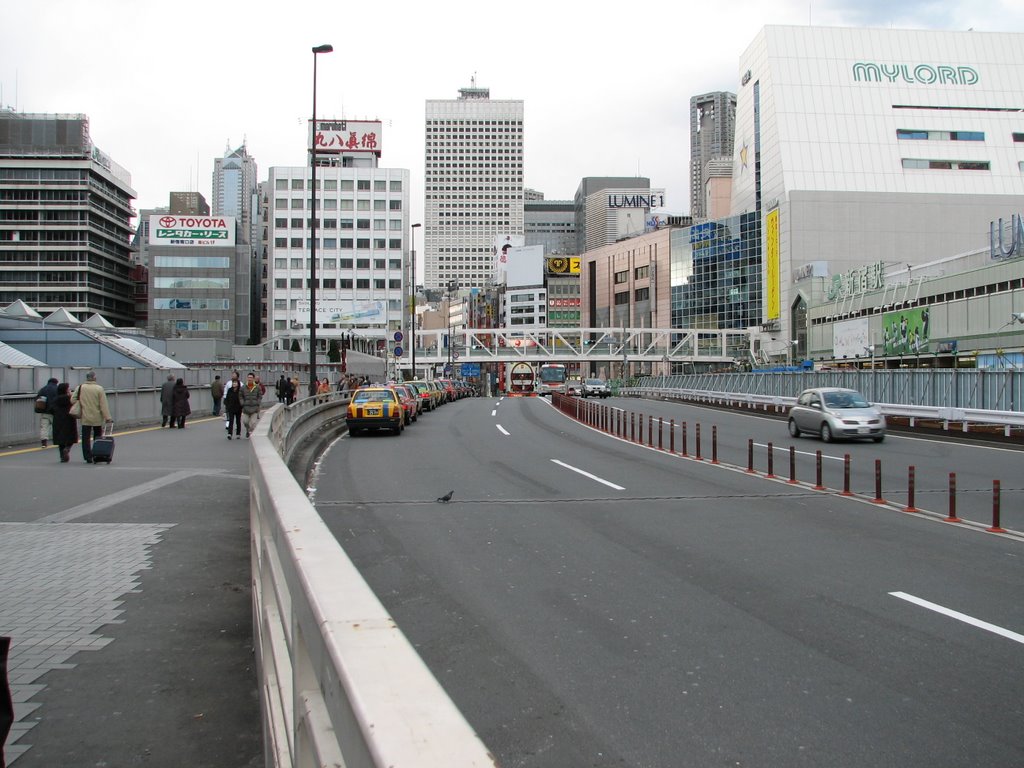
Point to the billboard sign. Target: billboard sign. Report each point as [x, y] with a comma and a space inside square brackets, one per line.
[906, 332]
[522, 266]
[329, 311]
[203, 231]
[647, 198]
[337, 136]
[562, 265]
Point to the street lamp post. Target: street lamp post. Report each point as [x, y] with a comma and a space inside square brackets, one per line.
[326, 48]
[412, 325]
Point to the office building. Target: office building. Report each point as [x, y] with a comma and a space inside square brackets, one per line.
[712, 128]
[603, 211]
[473, 180]
[236, 194]
[552, 224]
[873, 146]
[65, 219]
[361, 241]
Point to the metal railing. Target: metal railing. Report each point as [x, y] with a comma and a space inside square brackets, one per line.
[974, 397]
[339, 682]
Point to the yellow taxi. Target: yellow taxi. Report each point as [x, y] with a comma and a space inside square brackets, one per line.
[375, 408]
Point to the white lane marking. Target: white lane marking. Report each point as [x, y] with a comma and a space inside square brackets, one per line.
[799, 453]
[502, 430]
[494, 412]
[587, 474]
[960, 616]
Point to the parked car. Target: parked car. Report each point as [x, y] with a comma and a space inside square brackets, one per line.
[410, 402]
[835, 413]
[426, 394]
[595, 388]
[375, 408]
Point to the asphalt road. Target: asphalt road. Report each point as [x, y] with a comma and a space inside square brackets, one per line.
[588, 602]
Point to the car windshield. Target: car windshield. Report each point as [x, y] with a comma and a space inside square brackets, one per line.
[592, 382]
[843, 400]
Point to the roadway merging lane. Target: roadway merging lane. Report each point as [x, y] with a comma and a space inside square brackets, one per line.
[586, 601]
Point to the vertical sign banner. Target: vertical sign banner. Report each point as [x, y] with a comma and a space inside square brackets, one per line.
[771, 265]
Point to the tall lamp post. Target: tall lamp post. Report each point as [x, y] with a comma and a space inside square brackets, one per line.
[326, 48]
[412, 325]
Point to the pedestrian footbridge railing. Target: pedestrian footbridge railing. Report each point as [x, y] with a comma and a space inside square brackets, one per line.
[340, 685]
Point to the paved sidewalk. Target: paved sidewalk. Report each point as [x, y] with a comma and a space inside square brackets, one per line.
[126, 592]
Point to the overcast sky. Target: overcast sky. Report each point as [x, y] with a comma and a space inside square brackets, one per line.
[168, 86]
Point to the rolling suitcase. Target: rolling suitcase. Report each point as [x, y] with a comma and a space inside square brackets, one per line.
[103, 447]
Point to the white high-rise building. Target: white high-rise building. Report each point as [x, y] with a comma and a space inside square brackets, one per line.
[361, 251]
[861, 149]
[473, 185]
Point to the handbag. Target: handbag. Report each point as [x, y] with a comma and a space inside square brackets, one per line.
[75, 411]
[41, 404]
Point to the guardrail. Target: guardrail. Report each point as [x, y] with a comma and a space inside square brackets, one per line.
[340, 685]
[963, 416]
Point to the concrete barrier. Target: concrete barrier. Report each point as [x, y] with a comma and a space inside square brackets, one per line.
[339, 682]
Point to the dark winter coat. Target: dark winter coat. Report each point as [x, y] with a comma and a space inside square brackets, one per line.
[49, 391]
[232, 401]
[180, 405]
[167, 398]
[65, 426]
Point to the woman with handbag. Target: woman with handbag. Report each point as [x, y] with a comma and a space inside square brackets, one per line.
[65, 429]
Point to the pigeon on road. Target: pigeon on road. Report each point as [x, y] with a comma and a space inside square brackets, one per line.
[446, 498]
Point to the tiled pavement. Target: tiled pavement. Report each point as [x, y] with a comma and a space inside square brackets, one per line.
[125, 590]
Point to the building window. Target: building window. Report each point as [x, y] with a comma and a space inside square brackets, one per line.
[395, 263]
[641, 294]
[295, 282]
[362, 223]
[330, 242]
[346, 283]
[913, 163]
[394, 283]
[379, 284]
[298, 204]
[331, 283]
[330, 185]
[280, 203]
[622, 277]
[296, 242]
[362, 263]
[621, 298]
[641, 272]
[380, 205]
[395, 225]
[280, 242]
[346, 263]
[363, 283]
[280, 223]
[380, 242]
[395, 243]
[219, 283]
[396, 186]
[347, 205]
[379, 185]
[345, 242]
[362, 205]
[280, 282]
[394, 205]
[363, 243]
[280, 263]
[346, 185]
[363, 185]
[345, 223]
[281, 184]
[296, 223]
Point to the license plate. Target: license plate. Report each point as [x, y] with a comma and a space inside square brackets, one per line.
[864, 430]
[373, 411]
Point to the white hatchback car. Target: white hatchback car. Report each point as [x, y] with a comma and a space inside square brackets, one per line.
[835, 413]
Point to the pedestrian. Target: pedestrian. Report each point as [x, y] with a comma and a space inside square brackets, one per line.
[95, 412]
[281, 389]
[180, 409]
[289, 391]
[295, 389]
[323, 390]
[261, 385]
[217, 393]
[251, 396]
[167, 401]
[65, 430]
[233, 405]
[49, 392]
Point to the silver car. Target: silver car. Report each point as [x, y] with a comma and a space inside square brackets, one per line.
[836, 413]
[595, 388]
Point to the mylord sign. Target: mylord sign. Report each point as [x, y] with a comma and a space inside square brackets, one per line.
[165, 229]
[651, 198]
[914, 74]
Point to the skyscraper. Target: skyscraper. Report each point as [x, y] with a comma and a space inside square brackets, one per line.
[473, 185]
[236, 194]
[65, 219]
[712, 133]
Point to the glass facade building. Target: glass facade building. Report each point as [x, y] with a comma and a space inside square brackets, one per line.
[715, 274]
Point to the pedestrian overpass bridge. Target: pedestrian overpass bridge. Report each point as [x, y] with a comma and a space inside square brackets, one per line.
[622, 345]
